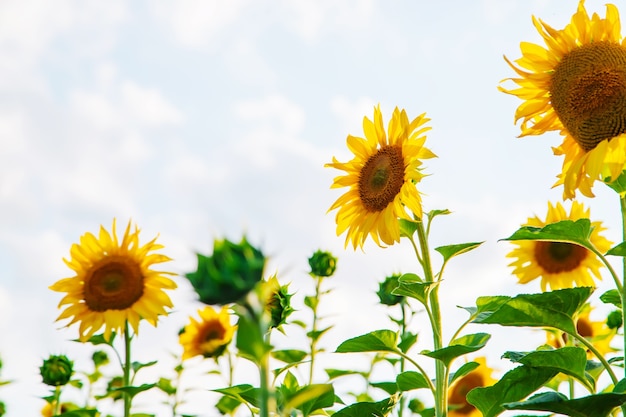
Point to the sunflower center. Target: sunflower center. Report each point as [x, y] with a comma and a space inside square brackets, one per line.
[588, 92]
[583, 327]
[556, 257]
[115, 283]
[460, 390]
[213, 331]
[381, 178]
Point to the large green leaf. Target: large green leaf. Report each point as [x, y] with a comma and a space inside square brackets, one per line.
[461, 346]
[289, 355]
[389, 387]
[569, 231]
[619, 250]
[132, 391]
[376, 341]
[370, 409]
[411, 380]
[310, 398]
[465, 369]
[569, 360]
[453, 250]
[250, 341]
[515, 385]
[418, 290]
[242, 393]
[550, 309]
[612, 297]
[598, 405]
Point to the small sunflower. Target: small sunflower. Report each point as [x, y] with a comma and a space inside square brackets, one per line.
[559, 264]
[209, 336]
[577, 85]
[479, 377]
[113, 283]
[597, 332]
[381, 178]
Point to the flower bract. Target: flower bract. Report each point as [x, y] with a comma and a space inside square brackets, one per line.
[381, 179]
[559, 264]
[576, 84]
[114, 283]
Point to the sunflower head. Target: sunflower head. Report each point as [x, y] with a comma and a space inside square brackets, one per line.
[209, 336]
[559, 264]
[113, 283]
[229, 273]
[576, 84]
[479, 377]
[381, 179]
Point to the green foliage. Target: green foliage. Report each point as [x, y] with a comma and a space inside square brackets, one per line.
[461, 346]
[569, 231]
[419, 290]
[376, 341]
[133, 391]
[371, 409]
[612, 297]
[450, 251]
[465, 369]
[250, 339]
[410, 380]
[598, 405]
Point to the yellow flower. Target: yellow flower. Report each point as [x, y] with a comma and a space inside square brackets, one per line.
[113, 283]
[597, 332]
[479, 377]
[208, 336]
[559, 264]
[577, 85]
[381, 178]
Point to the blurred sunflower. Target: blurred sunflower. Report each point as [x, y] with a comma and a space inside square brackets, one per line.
[597, 332]
[577, 85]
[209, 336]
[479, 377]
[114, 284]
[381, 178]
[559, 264]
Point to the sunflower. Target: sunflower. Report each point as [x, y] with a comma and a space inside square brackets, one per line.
[577, 85]
[113, 283]
[597, 332]
[559, 264]
[479, 377]
[381, 178]
[208, 336]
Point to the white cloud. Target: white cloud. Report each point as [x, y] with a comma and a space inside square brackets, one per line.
[195, 23]
[148, 106]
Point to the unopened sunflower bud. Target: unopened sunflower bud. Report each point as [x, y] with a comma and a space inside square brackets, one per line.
[614, 319]
[278, 302]
[56, 370]
[100, 358]
[386, 287]
[322, 264]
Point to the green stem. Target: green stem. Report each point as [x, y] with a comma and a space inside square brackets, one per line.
[265, 387]
[441, 392]
[402, 337]
[622, 291]
[600, 357]
[126, 369]
[56, 402]
[314, 335]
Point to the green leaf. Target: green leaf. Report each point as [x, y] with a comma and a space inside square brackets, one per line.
[336, 373]
[418, 290]
[598, 405]
[618, 250]
[411, 380]
[553, 309]
[515, 385]
[453, 250]
[165, 385]
[99, 339]
[314, 335]
[408, 339]
[612, 297]
[370, 409]
[311, 398]
[138, 365]
[250, 341]
[569, 231]
[407, 227]
[465, 369]
[227, 405]
[376, 341]
[434, 213]
[389, 387]
[311, 302]
[79, 413]
[244, 393]
[461, 346]
[289, 355]
[132, 391]
[569, 360]
[410, 277]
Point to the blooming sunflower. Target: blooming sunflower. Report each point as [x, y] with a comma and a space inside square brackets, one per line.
[479, 377]
[208, 336]
[113, 283]
[559, 264]
[381, 178]
[577, 85]
[597, 332]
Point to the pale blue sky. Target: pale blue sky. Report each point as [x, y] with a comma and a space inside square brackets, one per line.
[205, 119]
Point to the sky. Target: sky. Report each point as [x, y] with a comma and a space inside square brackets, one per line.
[201, 120]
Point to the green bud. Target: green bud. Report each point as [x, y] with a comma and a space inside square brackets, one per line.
[322, 264]
[229, 273]
[614, 319]
[386, 287]
[278, 302]
[56, 370]
[100, 358]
